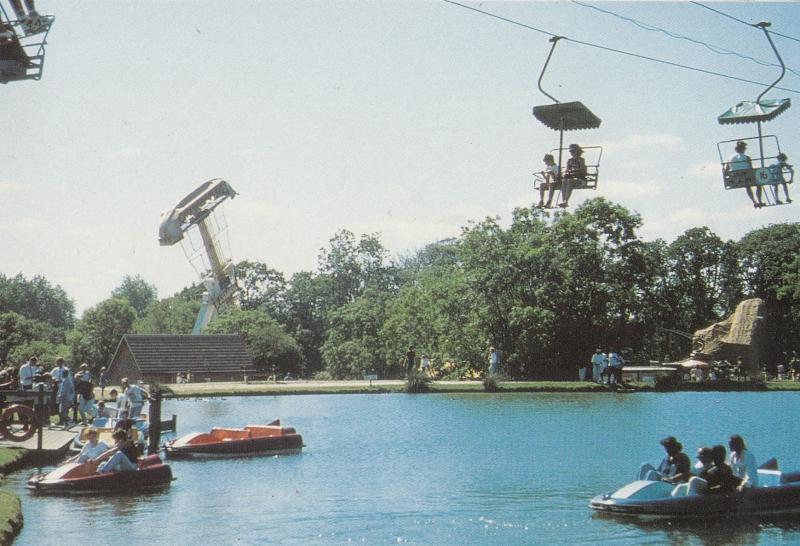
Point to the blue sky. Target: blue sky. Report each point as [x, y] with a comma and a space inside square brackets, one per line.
[409, 119]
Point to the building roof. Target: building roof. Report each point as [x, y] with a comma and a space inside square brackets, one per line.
[225, 353]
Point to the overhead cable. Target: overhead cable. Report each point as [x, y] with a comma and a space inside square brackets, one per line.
[713, 48]
[620, 51]
[709, 8]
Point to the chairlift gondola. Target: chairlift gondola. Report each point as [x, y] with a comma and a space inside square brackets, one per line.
[567, 116]
[22, 46]
[743, 171]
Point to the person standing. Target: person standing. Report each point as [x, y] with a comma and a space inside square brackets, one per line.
[26, 373]
[135, 395]
[494, 360]
[424, 364]
[57, 372]
[410, 358]
[102, 380]
[598, 361]
[65, 396]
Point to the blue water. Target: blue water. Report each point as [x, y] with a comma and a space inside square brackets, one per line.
[432, 469]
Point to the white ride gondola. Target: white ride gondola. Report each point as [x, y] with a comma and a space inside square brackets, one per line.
[568, 116]
[22, 41]
[769, 170]
[208, 256]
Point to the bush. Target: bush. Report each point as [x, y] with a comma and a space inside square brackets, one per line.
[490, 383]
[666, 383]
[323, 376]
[417, 382]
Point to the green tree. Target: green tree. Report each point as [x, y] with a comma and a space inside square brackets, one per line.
[352, 344]
[37, 299]
[266, 341]
[137, 292]
[18, 332]
[262, 288]
[174, 315]
[97, 335]
[770, 267]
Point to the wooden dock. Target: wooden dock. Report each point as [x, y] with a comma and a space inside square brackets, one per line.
[55, 442]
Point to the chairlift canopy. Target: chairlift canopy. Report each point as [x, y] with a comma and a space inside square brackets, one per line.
[753, 112]
[567, 116]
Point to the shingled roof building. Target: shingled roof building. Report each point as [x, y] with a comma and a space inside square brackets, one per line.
[159, 358]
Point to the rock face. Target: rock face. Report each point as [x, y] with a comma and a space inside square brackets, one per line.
[738, 335]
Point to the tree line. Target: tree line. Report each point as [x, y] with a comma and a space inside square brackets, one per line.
[545, 292]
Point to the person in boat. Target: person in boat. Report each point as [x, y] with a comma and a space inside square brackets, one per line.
[780, 167]
[124, 423]
[124, 459]
[742, 462]
[674, 468]
[550, 175]
[696, 485]
[719, 476]
[103, 411]
[92, 448]
[574, 173]
[738, 162]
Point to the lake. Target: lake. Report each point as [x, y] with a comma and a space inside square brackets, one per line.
[431, 469]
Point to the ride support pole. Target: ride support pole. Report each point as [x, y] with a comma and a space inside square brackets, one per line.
[155, 422]
[40, 417]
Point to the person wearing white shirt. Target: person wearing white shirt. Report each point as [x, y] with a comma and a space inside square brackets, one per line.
[92, 448]
[26, 373]
[740, 161]
[743, 462]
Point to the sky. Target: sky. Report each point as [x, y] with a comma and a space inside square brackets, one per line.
[406, 119]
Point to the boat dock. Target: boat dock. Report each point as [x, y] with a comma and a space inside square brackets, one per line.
[55, 442]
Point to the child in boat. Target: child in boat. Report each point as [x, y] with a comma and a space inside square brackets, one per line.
[92, 448]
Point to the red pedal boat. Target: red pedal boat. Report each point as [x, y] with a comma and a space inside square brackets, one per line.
[82, 478]
[269, 439]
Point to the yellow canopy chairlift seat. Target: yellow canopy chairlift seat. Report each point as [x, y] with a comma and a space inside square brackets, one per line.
[22, 47]
[765, 170]
[568, 116]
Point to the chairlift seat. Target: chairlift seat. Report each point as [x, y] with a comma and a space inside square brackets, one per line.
[754, 112]
[566, 116]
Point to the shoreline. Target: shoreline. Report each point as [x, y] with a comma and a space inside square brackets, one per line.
[300, 387]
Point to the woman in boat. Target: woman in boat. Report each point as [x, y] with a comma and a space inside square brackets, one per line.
[92, 448]
[674, 468]
[125, 457]
[743, 462]
[696, 485]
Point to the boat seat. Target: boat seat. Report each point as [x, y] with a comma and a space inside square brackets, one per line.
[265, 430]
[230, 433]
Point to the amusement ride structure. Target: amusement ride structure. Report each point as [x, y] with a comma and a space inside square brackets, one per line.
[755, 173]
[568, 116]
[22, 41]
[200, 213]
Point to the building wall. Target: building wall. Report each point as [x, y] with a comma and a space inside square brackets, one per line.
[123, 366]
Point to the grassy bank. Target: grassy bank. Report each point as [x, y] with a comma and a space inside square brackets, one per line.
[396, 386]
[10, 516]
[11, 458]
[366, 387]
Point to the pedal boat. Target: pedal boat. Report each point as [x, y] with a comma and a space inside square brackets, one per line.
[269, 439]
[777, 493]
[74, 478]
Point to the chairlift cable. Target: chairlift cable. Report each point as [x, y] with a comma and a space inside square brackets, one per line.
[743, 22]
[620, 51]
[713, 48]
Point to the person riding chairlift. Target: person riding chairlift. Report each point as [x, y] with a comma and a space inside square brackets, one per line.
[741, 162]
[574, 173]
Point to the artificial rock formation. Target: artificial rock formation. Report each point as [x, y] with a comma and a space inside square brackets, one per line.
[738, 335]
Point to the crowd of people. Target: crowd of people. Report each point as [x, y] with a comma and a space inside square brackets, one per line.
[72, 392]
[602, 368]
[714, 472]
